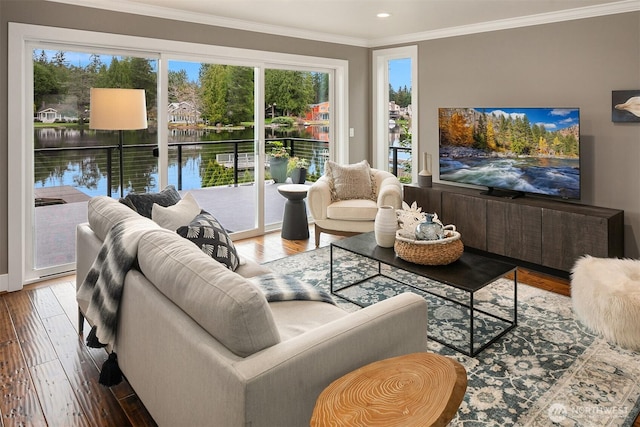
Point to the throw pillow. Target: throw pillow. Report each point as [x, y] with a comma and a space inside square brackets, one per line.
[350, 181]
[206, 232]
[143, 202]
[174, 217]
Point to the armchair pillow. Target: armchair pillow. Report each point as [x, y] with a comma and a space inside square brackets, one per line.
[350, 181]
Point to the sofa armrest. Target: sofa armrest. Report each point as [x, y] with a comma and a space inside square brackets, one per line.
[300, 368]
[390, 192]
[319, 198]
[88, 245]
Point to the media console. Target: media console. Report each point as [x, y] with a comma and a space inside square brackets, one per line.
[548, 233]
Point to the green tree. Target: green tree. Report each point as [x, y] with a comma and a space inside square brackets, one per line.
[291, 91]
[320, 87]
[45, 83]
[240, 94]
[142, 76]
[215, 174]
[213, 78]
[116, 76]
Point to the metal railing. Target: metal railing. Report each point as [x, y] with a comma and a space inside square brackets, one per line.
[394, 157]
[111, 159]
[302, 147]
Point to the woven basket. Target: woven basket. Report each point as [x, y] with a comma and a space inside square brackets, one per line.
[429, 252]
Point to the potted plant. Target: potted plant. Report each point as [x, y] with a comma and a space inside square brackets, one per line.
[278, 161]
[298, 169]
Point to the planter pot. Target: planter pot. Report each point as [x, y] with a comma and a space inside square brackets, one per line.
[299, 175]
[385, 226]
[278, 168]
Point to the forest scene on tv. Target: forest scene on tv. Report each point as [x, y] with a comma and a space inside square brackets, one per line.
[528, 150]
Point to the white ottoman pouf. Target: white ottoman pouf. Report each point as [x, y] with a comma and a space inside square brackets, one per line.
[605, 293]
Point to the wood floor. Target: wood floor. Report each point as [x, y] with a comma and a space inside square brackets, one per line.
[49, 377]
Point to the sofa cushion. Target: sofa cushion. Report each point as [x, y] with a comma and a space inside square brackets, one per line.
[143, 202]
[225, 304]
[350, 181]
[353, 210]
[104, 212]
[207, 233]
[178, 215]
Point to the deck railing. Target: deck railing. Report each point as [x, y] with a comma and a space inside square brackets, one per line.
[238, 159]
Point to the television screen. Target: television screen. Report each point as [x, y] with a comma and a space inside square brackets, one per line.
[523, 150]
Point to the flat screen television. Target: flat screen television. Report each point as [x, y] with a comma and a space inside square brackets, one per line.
[512, 151]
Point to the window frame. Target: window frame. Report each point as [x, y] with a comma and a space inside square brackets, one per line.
[380, 110]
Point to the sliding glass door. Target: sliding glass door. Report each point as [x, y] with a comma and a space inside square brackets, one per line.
[73, 162]
[298, 129]
[212, 147]
[211, 121]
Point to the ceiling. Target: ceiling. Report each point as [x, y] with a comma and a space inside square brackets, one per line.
[355, 22]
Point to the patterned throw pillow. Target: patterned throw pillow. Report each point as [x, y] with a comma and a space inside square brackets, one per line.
[350, 181]
[206, 232]
[143, 202]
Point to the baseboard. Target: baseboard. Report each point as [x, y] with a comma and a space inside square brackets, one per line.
[4, 282]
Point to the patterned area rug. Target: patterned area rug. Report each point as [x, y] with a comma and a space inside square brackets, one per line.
[548, 371]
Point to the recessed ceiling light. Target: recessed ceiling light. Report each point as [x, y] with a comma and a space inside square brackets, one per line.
[383, 15]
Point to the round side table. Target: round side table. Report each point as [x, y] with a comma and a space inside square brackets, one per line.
[295, 225]
[419, 389]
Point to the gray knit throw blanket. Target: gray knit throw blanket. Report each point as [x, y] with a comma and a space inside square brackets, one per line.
[282, 287]
[105, 280]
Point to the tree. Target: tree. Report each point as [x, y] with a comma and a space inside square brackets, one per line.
[142, 76]
[60, 59]
[320, 87]
[178, 83]
[240, 94]
[460, 133]
[45, 83]
[213, 78]
[491, 137]
[291, 91]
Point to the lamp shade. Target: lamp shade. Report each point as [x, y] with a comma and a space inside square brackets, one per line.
[118, 109]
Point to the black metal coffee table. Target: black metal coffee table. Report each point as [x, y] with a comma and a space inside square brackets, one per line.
[471, 273]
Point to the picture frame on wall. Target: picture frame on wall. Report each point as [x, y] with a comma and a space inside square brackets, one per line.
[625, 105]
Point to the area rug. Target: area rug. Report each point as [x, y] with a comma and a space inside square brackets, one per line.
[548, 371]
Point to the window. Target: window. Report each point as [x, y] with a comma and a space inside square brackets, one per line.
[395, 111]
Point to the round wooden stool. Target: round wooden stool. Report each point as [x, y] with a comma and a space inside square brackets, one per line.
[420, 389]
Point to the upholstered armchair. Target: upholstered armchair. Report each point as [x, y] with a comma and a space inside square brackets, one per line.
[345, 200]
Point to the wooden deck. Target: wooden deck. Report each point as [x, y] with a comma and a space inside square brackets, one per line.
[55, 221]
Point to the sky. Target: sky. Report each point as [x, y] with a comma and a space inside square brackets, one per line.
[400, 73]
[551, 118]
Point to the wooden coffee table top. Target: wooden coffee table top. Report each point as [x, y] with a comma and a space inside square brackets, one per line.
[419, 389]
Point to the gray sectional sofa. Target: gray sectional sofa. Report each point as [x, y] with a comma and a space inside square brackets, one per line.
[201, 346]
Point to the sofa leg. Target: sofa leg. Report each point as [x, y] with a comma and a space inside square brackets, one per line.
[317, 230]
[80, 321]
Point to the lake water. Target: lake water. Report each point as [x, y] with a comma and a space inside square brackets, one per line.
[87, 169]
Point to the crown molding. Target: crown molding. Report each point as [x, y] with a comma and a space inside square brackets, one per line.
[126, 6]
[624, 6]
[207, 19]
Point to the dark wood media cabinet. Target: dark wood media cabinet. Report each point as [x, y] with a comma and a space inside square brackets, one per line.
[548, 233]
